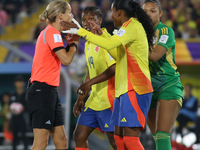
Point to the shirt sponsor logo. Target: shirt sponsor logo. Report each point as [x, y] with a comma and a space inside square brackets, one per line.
[121, 32]
[57, 38]
[163, 39]
[96, 49]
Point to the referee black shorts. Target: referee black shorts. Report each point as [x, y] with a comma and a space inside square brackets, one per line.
[44, 106]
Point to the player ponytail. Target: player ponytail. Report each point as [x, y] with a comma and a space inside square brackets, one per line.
[133, 9]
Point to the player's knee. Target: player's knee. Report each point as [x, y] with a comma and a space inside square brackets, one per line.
[79, 136]
[112, 142]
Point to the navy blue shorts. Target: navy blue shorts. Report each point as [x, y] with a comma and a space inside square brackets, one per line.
[96, 119]
[131, 109]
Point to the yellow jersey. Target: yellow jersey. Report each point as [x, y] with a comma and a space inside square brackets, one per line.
[132, 64]
[98, 60]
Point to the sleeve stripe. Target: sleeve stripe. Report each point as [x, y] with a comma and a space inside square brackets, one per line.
[58, 48]
[44, 35]
[128, 23]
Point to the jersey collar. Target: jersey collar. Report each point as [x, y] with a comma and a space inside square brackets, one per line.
[156, 27]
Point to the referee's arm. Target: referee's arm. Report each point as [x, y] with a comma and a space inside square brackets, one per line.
[64, 56]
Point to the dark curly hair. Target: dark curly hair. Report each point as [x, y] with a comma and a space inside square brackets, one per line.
[133, 9]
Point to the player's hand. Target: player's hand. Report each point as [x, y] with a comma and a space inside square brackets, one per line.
[84, 88]
[78, 106]
[95, 28]
[70, 27]
[73, 38]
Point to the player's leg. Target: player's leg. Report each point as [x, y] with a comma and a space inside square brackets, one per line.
[151, 121]
[81, 134]
[105, 125]
[111, 139]
[41, 137]
[167, 112]
[118, 133]
[132, 138]
[168, 106]
[151, 117]
[133, 113]
[86, 123]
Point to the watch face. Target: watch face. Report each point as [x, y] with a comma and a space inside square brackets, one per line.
[73, 44]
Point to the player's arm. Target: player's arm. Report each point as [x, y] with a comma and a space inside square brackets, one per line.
[80, 100]
[103, 42]
[107, 74]
[165, 41]
[121, 38]
[157, 53]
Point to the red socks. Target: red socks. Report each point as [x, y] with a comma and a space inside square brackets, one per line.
[81, 148]
[133, 143]
[124, 143]
[120, 143]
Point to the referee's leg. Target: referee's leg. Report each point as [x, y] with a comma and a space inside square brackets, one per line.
[41, 137]
[59, 137]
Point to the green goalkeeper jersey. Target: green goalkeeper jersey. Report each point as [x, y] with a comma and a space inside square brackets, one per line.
[163, 72]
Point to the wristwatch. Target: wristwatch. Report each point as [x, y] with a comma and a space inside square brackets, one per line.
[70, 45]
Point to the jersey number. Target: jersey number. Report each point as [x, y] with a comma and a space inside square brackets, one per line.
[91, 62]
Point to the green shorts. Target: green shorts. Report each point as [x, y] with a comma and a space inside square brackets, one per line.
[169, 93]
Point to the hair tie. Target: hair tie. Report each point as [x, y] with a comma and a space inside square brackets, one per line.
[46, 14]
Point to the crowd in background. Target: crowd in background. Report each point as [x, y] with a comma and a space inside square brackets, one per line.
[14, 118]
[182, 15]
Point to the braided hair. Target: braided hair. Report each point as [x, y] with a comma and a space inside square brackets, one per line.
[133, 9]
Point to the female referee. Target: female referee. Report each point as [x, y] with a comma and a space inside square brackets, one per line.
[43, 104]
[133, 89]
[98, 108]
[168, 91]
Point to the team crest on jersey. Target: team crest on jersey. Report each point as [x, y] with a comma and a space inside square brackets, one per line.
[96, 49]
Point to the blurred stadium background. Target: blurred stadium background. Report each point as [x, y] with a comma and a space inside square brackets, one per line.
[20, 26]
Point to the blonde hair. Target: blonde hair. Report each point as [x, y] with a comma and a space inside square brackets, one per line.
[52, 10]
